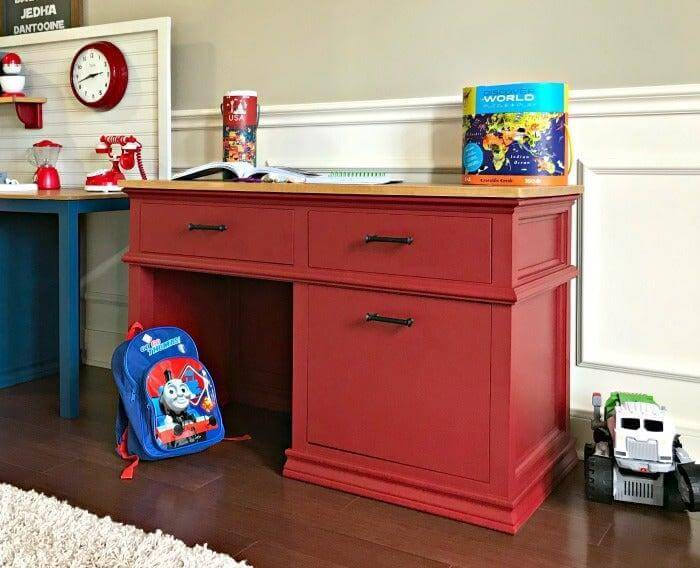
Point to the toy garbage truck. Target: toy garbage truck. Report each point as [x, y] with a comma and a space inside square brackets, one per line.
[637, 456]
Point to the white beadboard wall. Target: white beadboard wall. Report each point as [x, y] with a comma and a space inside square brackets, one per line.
[144, 112]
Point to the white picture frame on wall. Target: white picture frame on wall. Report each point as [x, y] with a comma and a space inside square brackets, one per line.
[145, 112]
[107, 122]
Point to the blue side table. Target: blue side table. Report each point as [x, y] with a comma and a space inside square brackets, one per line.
[40, 286]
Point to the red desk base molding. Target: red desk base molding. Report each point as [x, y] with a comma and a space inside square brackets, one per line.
[477, 509]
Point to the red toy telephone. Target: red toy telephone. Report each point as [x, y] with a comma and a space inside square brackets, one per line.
[124, 152]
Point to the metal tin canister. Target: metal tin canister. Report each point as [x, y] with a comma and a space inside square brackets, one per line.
[240, 114]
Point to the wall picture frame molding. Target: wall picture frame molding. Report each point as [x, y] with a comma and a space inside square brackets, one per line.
[145, 112]
[20, 17]
[582, 359]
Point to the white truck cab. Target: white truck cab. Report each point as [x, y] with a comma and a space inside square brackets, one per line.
[636, 455]
[643, 435]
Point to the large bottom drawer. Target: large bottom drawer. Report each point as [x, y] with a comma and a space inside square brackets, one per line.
[412, 389]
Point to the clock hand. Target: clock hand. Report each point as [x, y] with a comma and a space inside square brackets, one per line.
[89, 77]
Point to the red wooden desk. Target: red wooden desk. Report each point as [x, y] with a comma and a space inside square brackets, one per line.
[427, 328]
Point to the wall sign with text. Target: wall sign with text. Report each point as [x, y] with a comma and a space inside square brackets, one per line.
[19, 17]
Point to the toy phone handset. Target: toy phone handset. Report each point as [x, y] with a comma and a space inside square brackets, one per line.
[130, 151]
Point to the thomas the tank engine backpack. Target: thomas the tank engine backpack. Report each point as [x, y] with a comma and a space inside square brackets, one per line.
[168, 404]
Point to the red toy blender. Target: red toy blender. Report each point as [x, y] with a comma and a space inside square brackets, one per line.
[44, 156]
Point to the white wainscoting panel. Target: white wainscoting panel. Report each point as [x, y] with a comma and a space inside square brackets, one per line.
[144, 112]
[640, 290]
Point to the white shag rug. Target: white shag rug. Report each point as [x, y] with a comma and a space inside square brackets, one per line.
[40, 531]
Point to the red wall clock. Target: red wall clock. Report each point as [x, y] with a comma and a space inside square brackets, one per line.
[99, 75]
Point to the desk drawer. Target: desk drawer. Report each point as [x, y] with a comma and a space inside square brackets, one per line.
[213, 231]
[417, 395]
[434, 246]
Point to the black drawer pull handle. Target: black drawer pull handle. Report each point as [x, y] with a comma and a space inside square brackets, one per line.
[408, 322]
[381, 239]
[198, 227]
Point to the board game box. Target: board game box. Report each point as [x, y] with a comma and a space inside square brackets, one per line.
[515, 134]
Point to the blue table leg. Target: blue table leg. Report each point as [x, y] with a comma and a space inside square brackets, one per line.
[69, 309]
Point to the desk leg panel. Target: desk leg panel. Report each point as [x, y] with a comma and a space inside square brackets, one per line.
[69, 309]
[140, 295]
[300, 317]
[28, 294]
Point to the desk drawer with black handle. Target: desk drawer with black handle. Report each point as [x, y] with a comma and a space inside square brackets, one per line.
[260, 234]
[447, 247]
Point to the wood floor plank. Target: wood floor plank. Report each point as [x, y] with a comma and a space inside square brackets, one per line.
[151, 505]
[145, 503]
[460, 544]
[54, 448]
[14, 474]
[268, 491]
[270, 555]
[45, 453]
[639, 533]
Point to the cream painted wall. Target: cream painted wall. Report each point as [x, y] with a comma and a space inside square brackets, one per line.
[327, 50]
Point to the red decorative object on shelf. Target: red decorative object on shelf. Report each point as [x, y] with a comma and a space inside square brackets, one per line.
[29, 109]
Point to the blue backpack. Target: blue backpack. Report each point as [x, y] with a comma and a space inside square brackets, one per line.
[168, 404]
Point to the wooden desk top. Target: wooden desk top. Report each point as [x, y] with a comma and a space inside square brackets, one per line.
[397, 189]
[65, 194]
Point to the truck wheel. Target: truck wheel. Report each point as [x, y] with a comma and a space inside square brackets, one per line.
[688, 480]
[672, 496]
[599, 478]
[602, 434]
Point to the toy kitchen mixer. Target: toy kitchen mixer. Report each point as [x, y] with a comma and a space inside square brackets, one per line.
[124, 152]
[11, 82]
[44, 156]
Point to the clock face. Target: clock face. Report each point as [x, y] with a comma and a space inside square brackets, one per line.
[91, 75]
[99, 75]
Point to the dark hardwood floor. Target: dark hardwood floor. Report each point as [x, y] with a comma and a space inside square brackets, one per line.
[234, 497]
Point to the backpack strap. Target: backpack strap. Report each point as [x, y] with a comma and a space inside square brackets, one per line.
[242, 438]
[134, 330]
[122, 432]
[123, 451]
